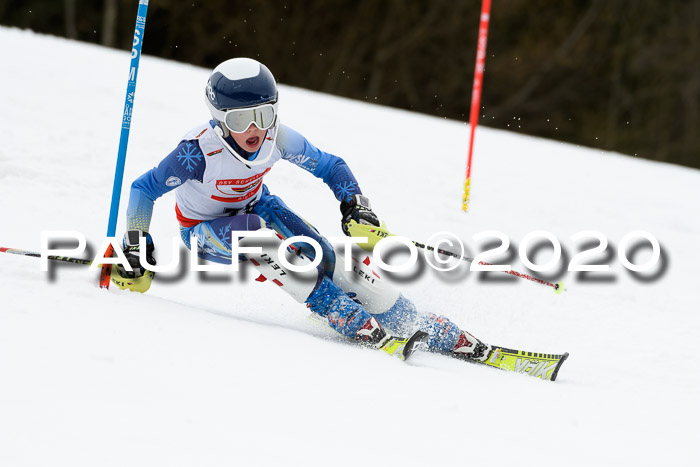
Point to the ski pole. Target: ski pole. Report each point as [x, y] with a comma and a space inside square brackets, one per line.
[558, 287]
[124, 136]
[65, 259]
[376, 234]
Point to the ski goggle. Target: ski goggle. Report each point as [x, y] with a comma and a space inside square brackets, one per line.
[238, 120]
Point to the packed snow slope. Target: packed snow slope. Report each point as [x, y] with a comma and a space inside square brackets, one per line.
[211, 369]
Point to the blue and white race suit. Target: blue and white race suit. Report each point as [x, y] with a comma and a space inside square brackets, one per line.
[217, 193]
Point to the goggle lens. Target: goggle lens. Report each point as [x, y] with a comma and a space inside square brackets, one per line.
[238, 120]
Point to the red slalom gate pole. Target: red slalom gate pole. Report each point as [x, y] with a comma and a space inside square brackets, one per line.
[476, 93]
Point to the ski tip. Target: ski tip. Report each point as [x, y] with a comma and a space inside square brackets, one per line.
[556, 370]
[416, 341]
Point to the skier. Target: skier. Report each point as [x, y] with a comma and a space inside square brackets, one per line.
[218, 170]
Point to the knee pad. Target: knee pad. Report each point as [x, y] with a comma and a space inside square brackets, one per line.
[375, 294]
[299, 285]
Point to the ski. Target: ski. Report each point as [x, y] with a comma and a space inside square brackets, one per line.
[401, 347]
[404, 347]
[538, 365]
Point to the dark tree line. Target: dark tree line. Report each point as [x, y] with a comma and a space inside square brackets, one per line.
[621, 75]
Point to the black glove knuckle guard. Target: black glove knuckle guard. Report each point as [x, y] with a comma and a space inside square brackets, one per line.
[132, 249]
[359, 210]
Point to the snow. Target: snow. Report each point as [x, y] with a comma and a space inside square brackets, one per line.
[213, 369]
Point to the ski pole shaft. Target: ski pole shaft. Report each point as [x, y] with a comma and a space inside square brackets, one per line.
[377, 234]
[558, 287]
[65, 259]
[127, 115]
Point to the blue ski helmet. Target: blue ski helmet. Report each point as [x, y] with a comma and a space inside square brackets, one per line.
[239, 83]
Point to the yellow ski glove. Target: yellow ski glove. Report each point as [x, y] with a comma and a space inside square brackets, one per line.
[136, 284]
[374, 234]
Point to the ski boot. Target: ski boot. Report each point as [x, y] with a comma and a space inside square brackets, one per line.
[469, 347]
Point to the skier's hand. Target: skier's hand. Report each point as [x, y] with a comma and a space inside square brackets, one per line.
[131, 251]
[358, 209]
[374, 234]
[138, 280]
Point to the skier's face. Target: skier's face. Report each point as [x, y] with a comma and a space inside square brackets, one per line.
[251, 139]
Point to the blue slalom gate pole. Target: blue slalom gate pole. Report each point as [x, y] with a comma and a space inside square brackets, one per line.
[124, 138]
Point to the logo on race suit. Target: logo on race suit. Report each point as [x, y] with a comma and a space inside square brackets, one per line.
[247, 187]
[536, 368]
[303, 161]
[244, 189]
[189, 155]
[173, 181]
[233, 186]
[299, 159]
